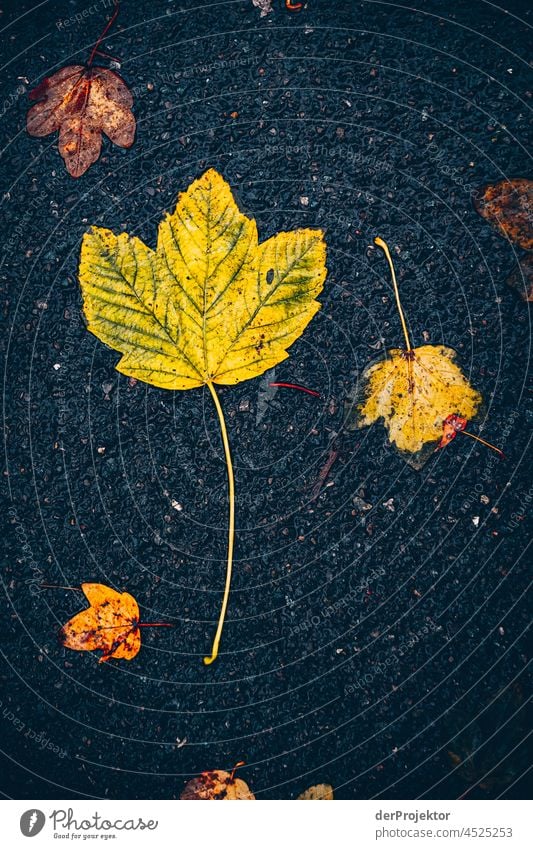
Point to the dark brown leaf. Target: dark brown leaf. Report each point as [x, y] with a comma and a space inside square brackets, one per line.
[82, 103]
[508, 205]
[521, 278]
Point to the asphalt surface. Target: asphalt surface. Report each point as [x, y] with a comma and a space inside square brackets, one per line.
[377, 623]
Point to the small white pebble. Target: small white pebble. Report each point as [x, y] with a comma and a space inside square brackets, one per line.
[475, 520]
[176, 505]
[57, 366]
[304, 201]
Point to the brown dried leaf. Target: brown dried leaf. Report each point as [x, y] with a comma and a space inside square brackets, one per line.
[217, 784]
[322, 792]
[82, 103]
[508, 205]
[521, 278]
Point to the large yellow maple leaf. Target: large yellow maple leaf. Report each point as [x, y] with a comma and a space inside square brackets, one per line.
[210, 305]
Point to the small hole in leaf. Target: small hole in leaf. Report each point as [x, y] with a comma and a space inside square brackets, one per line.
[270, 276]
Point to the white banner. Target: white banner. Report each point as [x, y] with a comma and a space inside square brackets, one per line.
[273, 825]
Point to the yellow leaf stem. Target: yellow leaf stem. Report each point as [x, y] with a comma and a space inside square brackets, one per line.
[384, 247]
[231, 524]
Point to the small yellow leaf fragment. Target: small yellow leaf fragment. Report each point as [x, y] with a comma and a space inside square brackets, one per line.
[322, 792]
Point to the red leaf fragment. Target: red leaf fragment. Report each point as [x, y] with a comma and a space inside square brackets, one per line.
[454, 424]
[298, 387]
[451, 426]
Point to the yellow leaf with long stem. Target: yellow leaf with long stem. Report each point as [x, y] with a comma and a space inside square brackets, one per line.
[414, 390]
[210, 305]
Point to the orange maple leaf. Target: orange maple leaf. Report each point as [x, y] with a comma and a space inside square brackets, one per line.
[111, 624]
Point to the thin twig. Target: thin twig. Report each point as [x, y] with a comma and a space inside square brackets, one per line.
[297, 386]
[483, 442]
[103, 34]
[323, 474]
